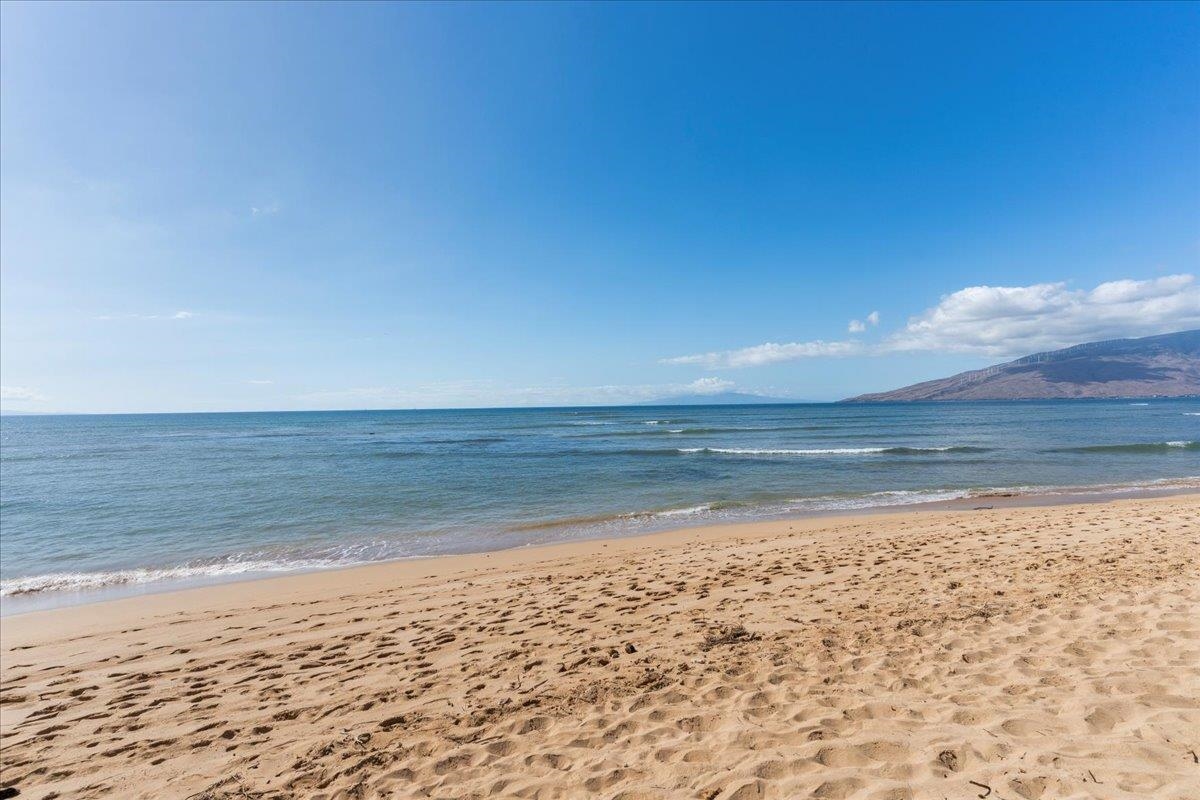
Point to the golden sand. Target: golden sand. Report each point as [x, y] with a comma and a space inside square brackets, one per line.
[1048, 652]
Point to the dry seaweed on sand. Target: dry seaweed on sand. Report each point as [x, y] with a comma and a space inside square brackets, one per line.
[729, 635]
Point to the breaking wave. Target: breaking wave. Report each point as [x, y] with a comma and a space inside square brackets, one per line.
[260, 563]
[834, 451]
[1147, 447]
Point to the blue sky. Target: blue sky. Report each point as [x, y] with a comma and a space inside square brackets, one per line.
[265, 206]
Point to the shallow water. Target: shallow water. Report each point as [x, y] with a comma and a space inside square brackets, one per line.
[138, 500]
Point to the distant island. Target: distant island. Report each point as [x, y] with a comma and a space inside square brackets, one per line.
[717, 399]
[1153, 366]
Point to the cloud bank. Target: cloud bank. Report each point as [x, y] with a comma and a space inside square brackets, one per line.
[1001, 321]
[768, 353]
[1015, 320]
[710, 386]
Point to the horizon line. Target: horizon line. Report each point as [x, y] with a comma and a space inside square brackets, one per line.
[847, 402]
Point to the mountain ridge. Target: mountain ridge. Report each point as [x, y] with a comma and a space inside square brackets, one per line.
[1166, 365]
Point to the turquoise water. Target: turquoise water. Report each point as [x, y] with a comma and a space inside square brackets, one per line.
[148, 501]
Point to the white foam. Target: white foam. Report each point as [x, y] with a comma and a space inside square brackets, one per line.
[683, 512]
[344, 555]
[83, 581]
[823, 451]
[879, 499]
[758, 452]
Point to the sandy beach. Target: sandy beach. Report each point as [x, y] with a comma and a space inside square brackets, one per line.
[1045, 652]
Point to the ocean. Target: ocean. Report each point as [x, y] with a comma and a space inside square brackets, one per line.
[97, 506]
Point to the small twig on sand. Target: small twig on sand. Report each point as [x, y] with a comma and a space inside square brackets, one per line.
[986, 789]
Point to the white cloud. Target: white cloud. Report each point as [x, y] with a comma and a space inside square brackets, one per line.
[710, 385]
[769, 353]
[858, 326]
[1000, 321]
[18, 394]
[1016, 320]
[269, 210]
[176, 315]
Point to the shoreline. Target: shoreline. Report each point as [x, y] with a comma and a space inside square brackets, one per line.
[1039, 651]
[55, 600]
[299, 583]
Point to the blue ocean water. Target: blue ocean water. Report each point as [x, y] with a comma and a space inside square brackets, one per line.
[146, 500]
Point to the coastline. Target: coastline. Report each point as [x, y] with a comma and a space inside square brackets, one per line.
[22, 604]
[302, 585]
[909, 654]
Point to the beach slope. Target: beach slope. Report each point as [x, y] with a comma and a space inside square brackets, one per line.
[1045, 652]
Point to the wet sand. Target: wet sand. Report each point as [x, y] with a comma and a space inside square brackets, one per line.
[1042, 652]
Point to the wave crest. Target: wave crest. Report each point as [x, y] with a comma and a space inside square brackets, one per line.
[834, 451]
[255, 563]
[1145, 447]
[84, 581]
